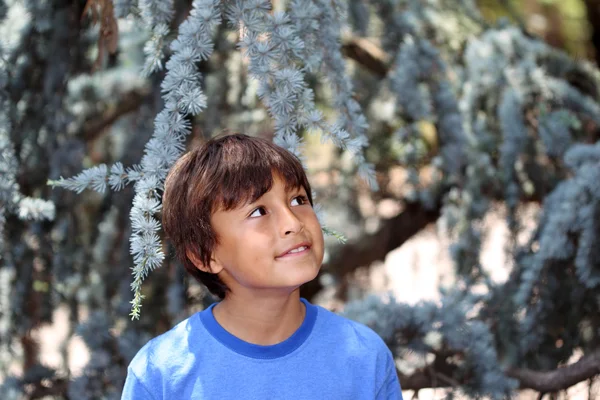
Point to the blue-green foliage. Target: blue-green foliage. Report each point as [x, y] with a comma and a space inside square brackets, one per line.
[319, 24]
[510, 116]
[428, 328]
[413, 67]
[11, 389]
[104, 375]
[565, 241]
[123, 7]
[11, 200]
[504, 77]
[554, 130]
[275, 61]
[12, 203]
[282, 88]
[157, 15]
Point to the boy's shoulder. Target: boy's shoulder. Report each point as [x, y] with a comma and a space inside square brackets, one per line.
[339, 327]
[167, 347]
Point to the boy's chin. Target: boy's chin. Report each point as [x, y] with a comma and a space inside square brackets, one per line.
[300, 277]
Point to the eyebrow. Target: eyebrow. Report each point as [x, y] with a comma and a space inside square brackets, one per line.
[252, 203]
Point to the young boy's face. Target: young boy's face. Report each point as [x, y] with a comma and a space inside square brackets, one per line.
[253, 237]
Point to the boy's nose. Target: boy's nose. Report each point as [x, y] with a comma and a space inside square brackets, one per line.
[289, 223]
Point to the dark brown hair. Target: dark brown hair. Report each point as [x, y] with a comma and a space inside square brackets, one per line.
[224, 173]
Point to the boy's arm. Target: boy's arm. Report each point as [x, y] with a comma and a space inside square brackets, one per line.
[135, 389]
[390, 389]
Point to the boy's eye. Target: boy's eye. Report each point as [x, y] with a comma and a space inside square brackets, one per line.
[302, 201]
[254, 212]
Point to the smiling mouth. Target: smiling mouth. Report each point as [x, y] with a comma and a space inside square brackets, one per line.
[296, 254]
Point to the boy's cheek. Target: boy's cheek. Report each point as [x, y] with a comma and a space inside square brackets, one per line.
[319, 242]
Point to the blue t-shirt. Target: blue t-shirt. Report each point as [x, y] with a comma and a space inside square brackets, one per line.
[328, 357]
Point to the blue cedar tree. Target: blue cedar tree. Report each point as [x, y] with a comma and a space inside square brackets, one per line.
[469, 98]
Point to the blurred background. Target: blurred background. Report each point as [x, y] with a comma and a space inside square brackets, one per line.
[474, 253]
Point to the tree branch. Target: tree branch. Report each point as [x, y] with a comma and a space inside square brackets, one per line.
[393, 233]
[128, 102]
[561, 378]
[372, 247]
[367, 54]
[49, 387]
[593, 17]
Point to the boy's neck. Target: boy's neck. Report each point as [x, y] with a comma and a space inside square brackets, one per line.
[263, 321]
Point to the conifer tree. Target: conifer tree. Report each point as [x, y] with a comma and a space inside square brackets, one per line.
[487, 114]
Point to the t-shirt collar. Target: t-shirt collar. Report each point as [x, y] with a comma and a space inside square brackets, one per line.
[259, 351]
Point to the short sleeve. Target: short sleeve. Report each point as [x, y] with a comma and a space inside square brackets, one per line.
[134, 389]
[390, 389]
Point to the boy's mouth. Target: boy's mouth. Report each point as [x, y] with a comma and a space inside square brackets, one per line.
[300, 248]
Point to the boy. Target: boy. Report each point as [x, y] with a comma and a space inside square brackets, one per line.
[238, 211]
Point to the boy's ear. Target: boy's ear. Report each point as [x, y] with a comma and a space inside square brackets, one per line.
[213, 268]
